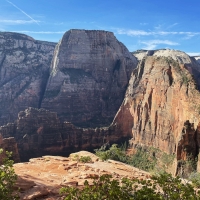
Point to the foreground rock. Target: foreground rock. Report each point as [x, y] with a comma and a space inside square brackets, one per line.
[45, 176]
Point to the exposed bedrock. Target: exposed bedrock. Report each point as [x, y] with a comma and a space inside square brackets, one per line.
[24, 72]
[89, 76]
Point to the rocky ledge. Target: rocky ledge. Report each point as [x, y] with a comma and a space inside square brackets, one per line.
[41, 178]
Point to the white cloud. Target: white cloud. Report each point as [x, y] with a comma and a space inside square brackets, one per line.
[193, 53]
[152, 44]
[147, 33]
[8, 21]
[23, 12]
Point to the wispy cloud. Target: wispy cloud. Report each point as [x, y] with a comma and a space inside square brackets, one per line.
[41, 32]
[23, 12]
[148, 33]
[152, 44]
[8, 21]
[172, 25]
[143, 24]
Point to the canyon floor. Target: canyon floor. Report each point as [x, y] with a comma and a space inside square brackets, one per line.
[41, 178]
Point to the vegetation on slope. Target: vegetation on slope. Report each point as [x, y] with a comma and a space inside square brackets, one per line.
[162, 185]
[7, 178]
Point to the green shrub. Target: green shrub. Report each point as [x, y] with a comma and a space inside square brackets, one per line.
[7, 178]
[143, 159]
[162, 187]
[102, 188]
[114, 153]
[85, 159]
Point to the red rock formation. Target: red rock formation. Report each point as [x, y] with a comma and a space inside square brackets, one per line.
[162, 98]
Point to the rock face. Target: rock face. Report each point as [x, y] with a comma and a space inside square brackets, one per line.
[24, 71]
[89, 76]
[162, 104]
[39, 132]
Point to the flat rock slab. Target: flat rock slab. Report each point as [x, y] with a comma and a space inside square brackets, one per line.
[43, 177]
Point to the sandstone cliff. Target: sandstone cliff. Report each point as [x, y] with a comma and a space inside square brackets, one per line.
[163, 102]
[89, 76]
[24, 70]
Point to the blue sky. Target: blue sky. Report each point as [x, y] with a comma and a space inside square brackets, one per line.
[139, 24]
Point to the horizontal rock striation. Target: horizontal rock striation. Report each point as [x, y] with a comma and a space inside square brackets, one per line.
[39, 132]
[89, 76]
[24, 71]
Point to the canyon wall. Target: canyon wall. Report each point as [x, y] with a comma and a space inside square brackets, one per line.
[85, 82]
[24, 71]
[164, 102]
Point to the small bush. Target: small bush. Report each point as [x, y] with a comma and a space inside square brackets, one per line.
[7, 178]
[114, 153]
[85, 159]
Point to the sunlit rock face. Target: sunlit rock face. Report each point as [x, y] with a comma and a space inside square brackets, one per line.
[162, 103]
[89, 75]
[24, 71]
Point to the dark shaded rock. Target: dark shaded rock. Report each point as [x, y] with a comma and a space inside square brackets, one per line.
[39, 132]
[89, 76]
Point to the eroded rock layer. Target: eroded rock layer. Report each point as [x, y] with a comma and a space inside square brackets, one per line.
[89, 76]
[39, 132]
[24, 71]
